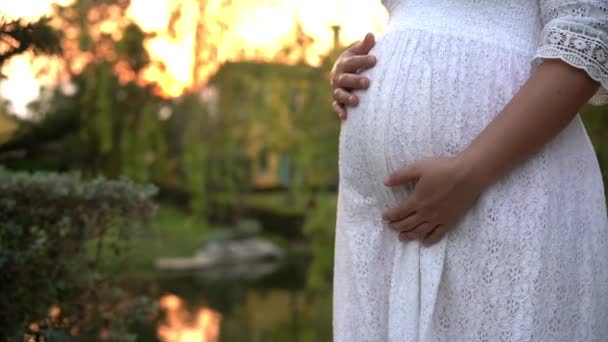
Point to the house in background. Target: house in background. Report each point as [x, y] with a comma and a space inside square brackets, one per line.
[279, 106]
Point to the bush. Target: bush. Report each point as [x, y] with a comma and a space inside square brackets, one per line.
[319, 228]
[596, 123]
[54, 230]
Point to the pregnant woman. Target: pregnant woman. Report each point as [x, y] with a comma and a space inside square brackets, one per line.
[471, 204]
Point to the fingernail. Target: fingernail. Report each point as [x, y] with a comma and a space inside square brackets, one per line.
[387, 180]
[352, 99]
[364, 83]
[372, 59]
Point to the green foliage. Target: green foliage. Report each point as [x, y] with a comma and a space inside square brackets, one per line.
[284, 109]
[131, 49]
[319, 228]
[249, 108]
[18, 36]
[172, 233]
[54, 229]
[110, 123]
[202, 145]
[596, 123]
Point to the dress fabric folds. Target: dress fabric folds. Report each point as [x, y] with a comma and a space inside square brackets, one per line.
[529, 262]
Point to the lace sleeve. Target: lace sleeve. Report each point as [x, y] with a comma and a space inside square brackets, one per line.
[576, 31]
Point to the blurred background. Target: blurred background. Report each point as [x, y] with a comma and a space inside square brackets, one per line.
[168, 168]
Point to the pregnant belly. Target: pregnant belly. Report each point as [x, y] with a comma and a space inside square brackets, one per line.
[430, 95]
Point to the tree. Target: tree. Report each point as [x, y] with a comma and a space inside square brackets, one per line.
[18, 37]
[49, 223]
[115, 124]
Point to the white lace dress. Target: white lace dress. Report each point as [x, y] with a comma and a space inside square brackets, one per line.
[529, 262]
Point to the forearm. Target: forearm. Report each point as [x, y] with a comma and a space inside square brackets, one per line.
[541, 109]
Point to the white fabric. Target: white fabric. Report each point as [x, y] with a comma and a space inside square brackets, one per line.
[529, 262]
[577, 33]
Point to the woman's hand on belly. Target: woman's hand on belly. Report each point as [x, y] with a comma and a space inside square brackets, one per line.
[443, 193]
[345, 74]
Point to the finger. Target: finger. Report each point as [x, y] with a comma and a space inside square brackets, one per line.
[435, 235]
[339, 109]
[406, 236]
[343, 97]
[403, 176]
[363, 47]
[351, 81]
[357, 63]
[405, 209]
[417, 233]
[407, 224]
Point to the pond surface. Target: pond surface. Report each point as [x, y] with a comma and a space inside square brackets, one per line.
[278, 306]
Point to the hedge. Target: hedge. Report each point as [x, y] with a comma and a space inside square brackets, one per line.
[54, 231]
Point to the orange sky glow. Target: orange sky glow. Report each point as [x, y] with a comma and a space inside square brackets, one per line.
[254, 30]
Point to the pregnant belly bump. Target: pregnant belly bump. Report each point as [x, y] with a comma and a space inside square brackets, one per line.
[445, 190]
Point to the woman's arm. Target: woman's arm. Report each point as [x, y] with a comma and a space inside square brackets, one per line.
[541, 109]
[574, 45]
[447, 187]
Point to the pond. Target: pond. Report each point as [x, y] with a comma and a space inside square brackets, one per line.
[201, 306]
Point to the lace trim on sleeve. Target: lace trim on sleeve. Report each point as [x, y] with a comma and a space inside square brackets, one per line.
[580, 40]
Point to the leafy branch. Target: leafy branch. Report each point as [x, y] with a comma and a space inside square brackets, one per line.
[18, 36]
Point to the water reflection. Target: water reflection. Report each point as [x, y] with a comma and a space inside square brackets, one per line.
[275, 307]
[181, 326]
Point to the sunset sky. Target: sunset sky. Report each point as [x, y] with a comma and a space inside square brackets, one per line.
[258, 26]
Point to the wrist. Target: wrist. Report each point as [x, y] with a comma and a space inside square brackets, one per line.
[470, 170]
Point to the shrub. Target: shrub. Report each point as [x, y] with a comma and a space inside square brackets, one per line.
[54, 229]
[596, 123]
[319, 228]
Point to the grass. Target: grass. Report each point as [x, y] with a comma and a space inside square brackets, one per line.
[176, 233]
[281, 202]
[172, 233]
